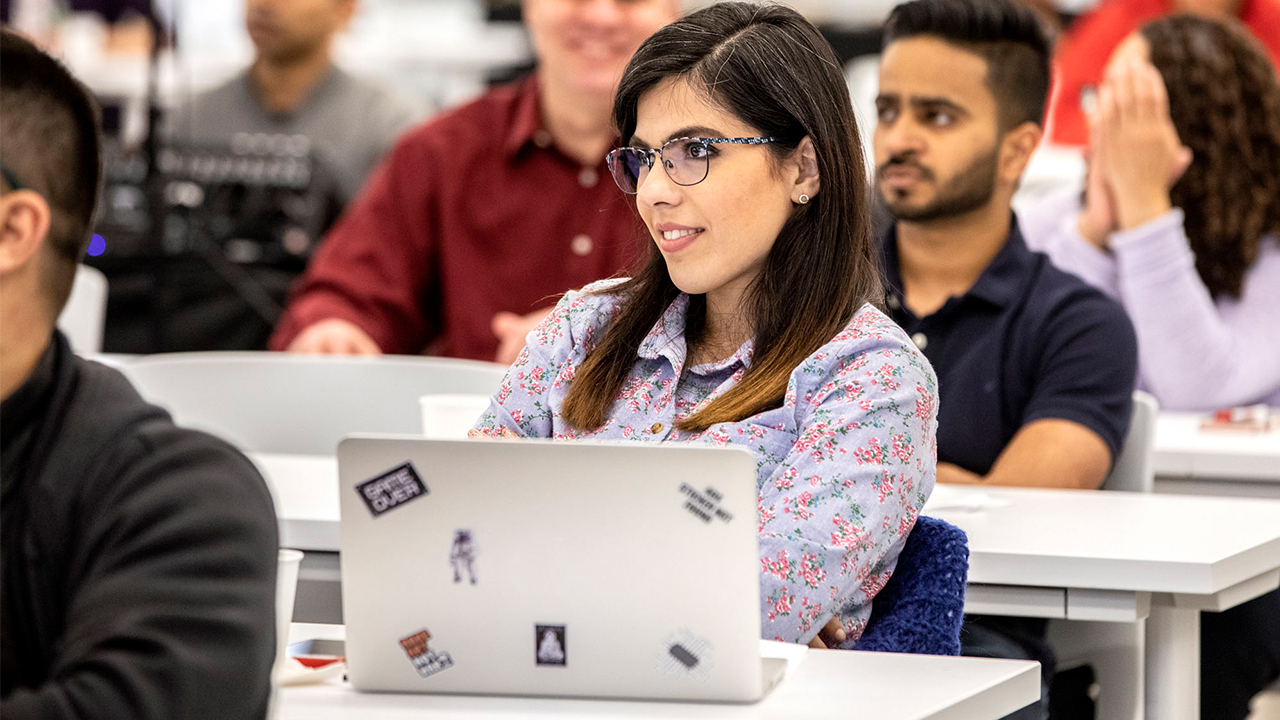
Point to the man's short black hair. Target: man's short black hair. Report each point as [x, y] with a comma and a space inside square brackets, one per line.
[50, 139]
[1006, 34]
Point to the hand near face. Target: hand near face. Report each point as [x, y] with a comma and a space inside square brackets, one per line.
[511, 330]
[1143, 157]
[334, 337]
[1098, 216]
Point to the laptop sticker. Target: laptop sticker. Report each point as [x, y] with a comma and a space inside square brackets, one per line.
[549, 642]
[462, 556]
[704, 505]
[392, 489]
[687, 655]
[427, 662]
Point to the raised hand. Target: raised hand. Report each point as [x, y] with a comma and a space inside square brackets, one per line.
[1143, 157]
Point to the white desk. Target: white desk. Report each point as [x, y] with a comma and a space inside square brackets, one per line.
[819, 684]
[1123, 557]
[1118, 557]
[1216, 462]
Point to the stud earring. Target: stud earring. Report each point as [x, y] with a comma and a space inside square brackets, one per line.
[804, 199]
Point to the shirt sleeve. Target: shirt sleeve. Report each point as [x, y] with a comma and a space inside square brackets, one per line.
[524, 403]
[1192, 358]
[171, 607]
[1087, 367]
[372, 269]
[835, 513]
[1051, 228]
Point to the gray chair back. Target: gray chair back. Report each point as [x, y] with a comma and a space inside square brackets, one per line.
[1133, 470]
[303, 404]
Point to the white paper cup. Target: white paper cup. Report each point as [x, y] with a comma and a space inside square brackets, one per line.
[449, 417]
[287, 564]
[286, 591]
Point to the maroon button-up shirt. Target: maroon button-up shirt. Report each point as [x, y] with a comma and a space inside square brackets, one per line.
[473, 213]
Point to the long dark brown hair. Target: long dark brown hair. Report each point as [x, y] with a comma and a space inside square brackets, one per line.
[769, 67]
[1225, 103]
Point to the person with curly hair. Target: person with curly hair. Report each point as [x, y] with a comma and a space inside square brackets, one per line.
[1180, 219]
[1084, 50]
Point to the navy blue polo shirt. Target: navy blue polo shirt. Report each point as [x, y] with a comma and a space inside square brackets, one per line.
[1027, 342]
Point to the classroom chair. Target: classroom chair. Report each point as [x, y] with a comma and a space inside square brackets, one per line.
[85, 314]
[1134, 469]
[921, 608]
[302, 404]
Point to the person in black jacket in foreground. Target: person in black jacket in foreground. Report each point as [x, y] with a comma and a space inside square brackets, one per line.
[138, 558]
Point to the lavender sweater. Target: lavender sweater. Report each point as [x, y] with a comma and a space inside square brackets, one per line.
[1195, 352]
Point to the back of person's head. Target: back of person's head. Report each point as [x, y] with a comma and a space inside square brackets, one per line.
[1224, 100]
[1008, 35]
[51, 145]
[770, 68]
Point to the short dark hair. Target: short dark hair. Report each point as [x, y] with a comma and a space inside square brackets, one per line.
[1006, 34]
[50, 138]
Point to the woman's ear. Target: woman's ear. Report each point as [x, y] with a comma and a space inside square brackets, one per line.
[807, 181]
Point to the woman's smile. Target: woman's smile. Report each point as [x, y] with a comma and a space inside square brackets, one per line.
[674, 238]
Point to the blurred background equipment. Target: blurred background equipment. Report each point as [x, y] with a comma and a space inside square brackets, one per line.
[210, 266]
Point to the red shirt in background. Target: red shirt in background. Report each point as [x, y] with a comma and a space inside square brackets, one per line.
[1084, 52]
[473, 213]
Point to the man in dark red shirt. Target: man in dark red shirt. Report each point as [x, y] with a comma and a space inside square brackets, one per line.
[476, 221]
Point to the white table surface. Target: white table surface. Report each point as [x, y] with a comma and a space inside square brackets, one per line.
[1077, 555]
[1117, 541]
[818, 684]
[1184, 450]
[1056, 538]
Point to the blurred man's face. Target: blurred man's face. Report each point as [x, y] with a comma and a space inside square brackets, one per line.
[586, 43]
[287, 30]
[937, 139]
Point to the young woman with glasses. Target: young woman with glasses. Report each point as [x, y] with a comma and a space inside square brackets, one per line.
[755, 321]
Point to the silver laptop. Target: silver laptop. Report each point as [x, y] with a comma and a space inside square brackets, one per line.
[551, 568]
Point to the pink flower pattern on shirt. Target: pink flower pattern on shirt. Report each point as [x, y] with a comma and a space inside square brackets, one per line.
[843, 466]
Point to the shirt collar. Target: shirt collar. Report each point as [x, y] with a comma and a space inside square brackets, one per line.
[527, 126]
[667, 340]
[1000, 284]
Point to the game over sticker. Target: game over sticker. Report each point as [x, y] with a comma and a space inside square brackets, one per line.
[392, 489]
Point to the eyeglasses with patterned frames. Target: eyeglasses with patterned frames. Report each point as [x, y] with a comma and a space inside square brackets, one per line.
[686, 160]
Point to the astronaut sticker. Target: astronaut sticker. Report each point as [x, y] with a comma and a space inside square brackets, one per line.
[462, 556]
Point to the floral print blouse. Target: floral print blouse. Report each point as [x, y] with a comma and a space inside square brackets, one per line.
[843, 467]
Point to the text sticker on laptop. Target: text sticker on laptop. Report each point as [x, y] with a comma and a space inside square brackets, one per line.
[427, 662]
[704, 505]
[392, 489]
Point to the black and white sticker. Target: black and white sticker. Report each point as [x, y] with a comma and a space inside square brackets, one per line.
[549, 645]
[704, 505]
[392, 489]
[462, 556]
[686, 655]
[426, 661]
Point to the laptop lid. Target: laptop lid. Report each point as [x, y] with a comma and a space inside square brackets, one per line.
[550, 568]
